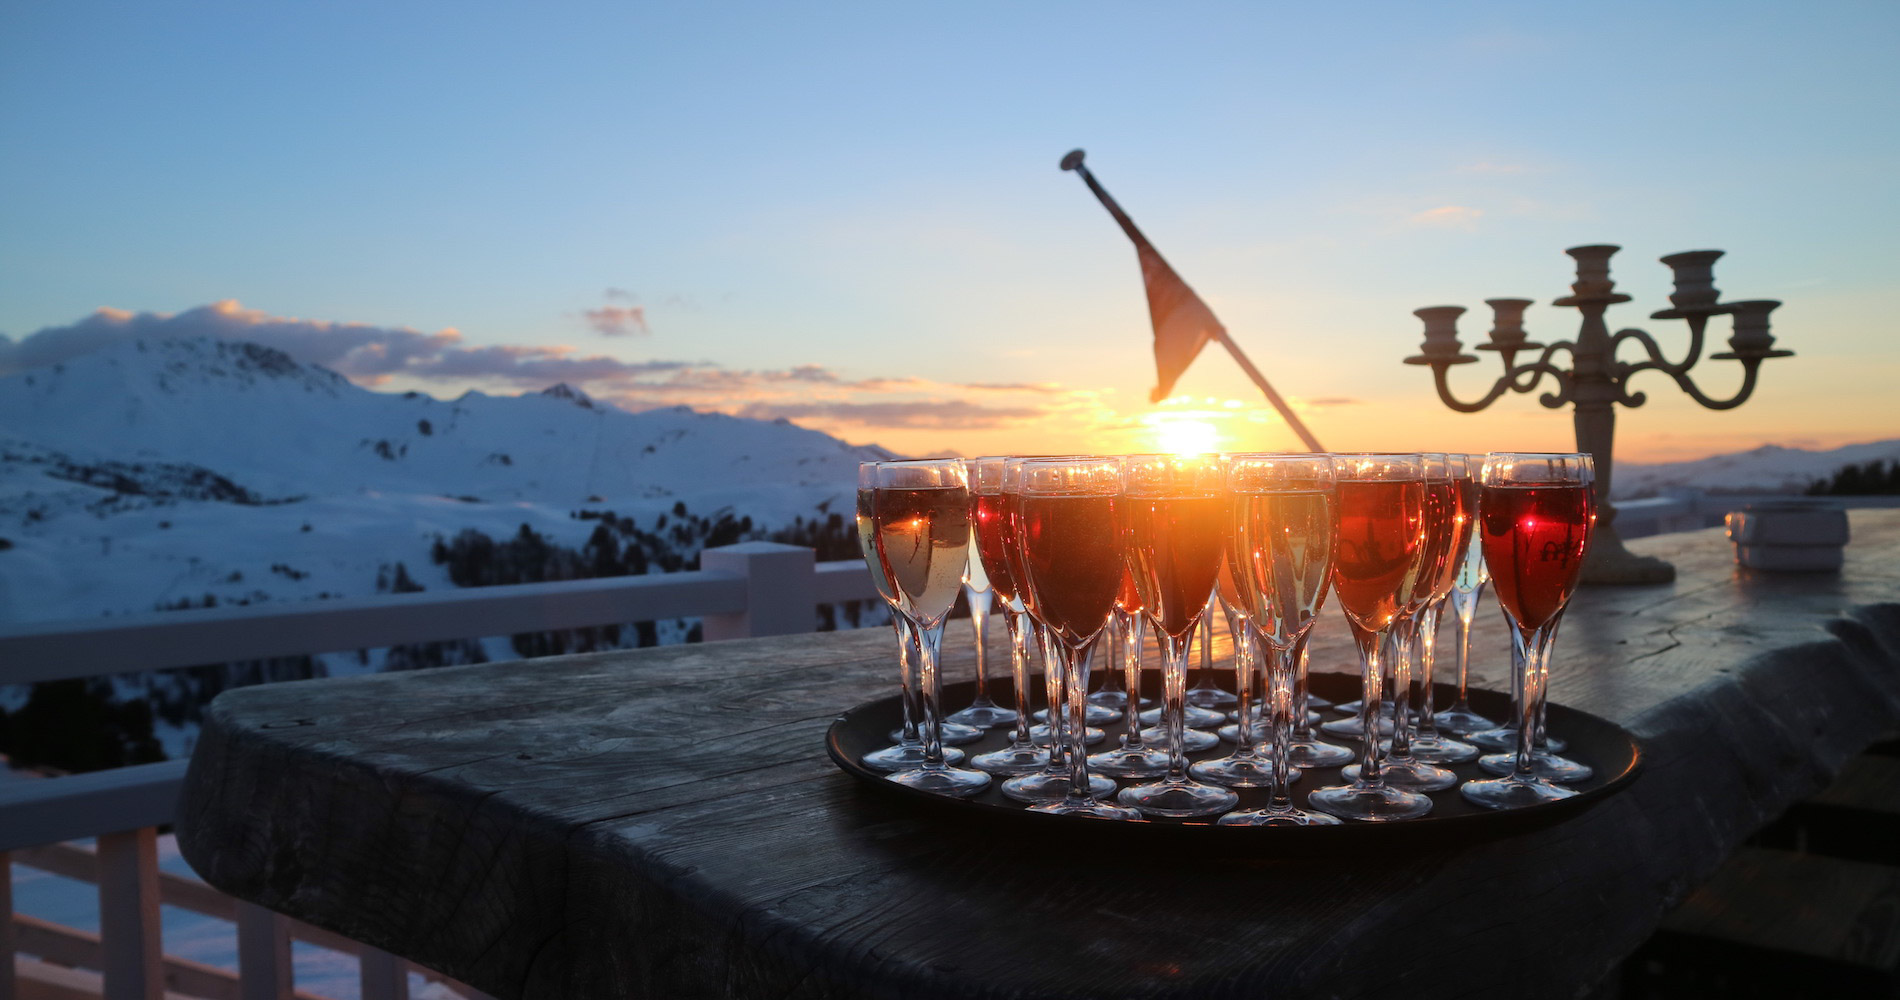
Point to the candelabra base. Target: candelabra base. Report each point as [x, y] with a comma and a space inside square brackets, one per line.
[1610, 563]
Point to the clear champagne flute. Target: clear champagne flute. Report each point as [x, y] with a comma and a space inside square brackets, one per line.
[1467, 587]
[1281, 520]
[1245, 767]
[908, 750]
[1170, 522]
[1305, 750]
[989, 523]
[1207, 693]
[1536, 513]
[1065, 523]
[1378, 557]
[921, 512]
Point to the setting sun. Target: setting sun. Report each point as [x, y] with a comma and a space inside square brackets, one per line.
[1182, 433]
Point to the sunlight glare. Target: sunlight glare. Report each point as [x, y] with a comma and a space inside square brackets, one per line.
[1183, 434]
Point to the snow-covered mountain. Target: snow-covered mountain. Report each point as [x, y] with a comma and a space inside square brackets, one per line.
[155, 472]
[1767, 469]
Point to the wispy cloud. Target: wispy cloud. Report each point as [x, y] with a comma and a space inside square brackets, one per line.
[1449, 217]
[617, 321]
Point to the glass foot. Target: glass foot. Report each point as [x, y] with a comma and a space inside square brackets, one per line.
[1192, 740]
[1142, 762]
[1504, 740]
[1276, 817]
[1513, 793]
[1092, 808]
[1179, 798]
[1012, 760]
[1098, 715]
[1352, 728]
[1373, 804]
[1315, 702]
[1547, 766]
[1197, 717]
[1261, 734]
[903, 757]
[1116, 701]
[1040, 736]
[1046, 787]
[955, 734]
[1313, 753]
[1235, 771]
[983, 715]
[953, 781]
[1212, 697]
[1412, 775]
[1460, 719]
[1442, 750]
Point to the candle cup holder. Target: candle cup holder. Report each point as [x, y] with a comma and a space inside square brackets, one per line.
[1595, 383]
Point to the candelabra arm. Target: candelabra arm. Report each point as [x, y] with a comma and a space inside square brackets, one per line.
[1444, 391]
[1749, 368]
[1656, 360]
[1536, 371]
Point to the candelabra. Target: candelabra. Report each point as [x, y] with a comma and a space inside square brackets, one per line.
[1596, 381]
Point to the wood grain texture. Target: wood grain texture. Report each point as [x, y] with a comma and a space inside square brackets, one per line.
[664, 823]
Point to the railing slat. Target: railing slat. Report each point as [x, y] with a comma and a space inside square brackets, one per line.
[264, 971]
[384, 976]
[128, 915]
[85, 805]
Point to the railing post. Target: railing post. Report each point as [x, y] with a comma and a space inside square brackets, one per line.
[383, 976]
[6, 927]
[780, 590]
[128, 915]
[264, 971]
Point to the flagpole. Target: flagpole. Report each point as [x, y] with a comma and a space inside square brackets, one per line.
[1073, 161]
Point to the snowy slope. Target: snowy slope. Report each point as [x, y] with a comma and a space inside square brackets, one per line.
[1767, 469]
[160, 471]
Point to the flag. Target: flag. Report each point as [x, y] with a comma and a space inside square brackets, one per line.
[1183, 324]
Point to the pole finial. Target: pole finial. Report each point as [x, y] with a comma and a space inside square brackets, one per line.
[1073, 160]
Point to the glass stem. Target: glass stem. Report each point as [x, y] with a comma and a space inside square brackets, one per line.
[1404, 638]
[1075, 670]
[1467, 609]
[1372, 697]
[1019, 673]
[1244, 651]
[1129, 627]
[1174, 651]
[1302, 729]
[907, 676]
[980, 602]
[1052, 692]
[1427, 669]
[1524, 663]
[1540, 742]
[929, 644]
[1282, 664]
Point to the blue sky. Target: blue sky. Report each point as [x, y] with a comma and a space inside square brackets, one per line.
[851, 214]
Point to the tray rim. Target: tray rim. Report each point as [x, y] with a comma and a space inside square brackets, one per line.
[1467, 828]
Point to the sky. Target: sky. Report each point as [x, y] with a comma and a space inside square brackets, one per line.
[851, 215]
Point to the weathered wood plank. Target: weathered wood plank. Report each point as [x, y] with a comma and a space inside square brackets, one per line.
[522, 826]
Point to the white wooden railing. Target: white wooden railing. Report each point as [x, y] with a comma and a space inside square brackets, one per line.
[749, 589]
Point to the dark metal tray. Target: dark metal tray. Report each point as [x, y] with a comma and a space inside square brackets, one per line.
[1608, 748]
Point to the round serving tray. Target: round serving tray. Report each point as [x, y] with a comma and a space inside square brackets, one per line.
[1608, 748]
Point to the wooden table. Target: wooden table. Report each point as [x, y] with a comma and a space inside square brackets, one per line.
[664, 822]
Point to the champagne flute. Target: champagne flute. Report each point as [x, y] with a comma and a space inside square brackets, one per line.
[921, 512]
[1378, 557]
[1448, 561]
[1536, 512]
[989, 524]
[1282, 525]
[1467, 587]
[908, 751]
[1135, 758]
[980, 596]
[1438, 530]
[1065, 528]
[1171, 519]
[1051, 784]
